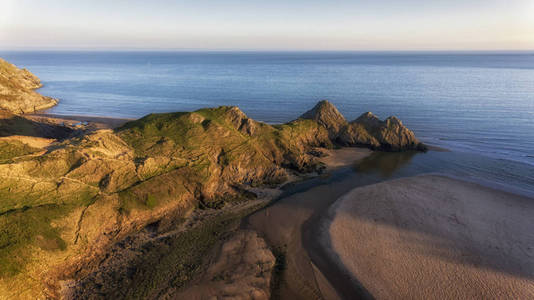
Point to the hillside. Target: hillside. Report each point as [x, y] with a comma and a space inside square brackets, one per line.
[65, 205]
[17, 90]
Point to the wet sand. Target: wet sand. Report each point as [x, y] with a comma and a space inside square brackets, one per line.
[337, 158]
[282, 223]
[433, 237]
[292, 226]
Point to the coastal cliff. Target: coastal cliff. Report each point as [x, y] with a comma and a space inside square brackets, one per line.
[66, 204]
[365, 131]
[17, 90]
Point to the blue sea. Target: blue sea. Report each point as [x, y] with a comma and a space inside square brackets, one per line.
[478, 105]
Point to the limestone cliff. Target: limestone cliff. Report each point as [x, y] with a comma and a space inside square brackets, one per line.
[326, 114]
[388, 135]
[17, 90]
[367, 130]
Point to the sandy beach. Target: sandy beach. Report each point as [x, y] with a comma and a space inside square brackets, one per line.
[336, 158]
[433, 237]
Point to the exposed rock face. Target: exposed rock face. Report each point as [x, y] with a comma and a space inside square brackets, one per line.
[367, 130]
[17, 90]
[326, 114]
[389, 135]
[355, 134]
[243, 270]
[61, 209]
[368, 119]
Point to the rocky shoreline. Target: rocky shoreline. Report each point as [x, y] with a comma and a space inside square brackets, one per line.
[17, 90]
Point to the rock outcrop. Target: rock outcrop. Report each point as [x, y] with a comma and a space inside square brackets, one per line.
[17, 90]
[326, 114]
[242, 270]
[367, 130]
[388, 135]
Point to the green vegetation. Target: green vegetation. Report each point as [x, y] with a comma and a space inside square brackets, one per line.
[124, 178]
[178, 259]
[31, 199]
[224, 137]
[121, 180]
[188, 135]
[12, 149]
[31, 224]
[151, 201]
[196, 157]
[24, 227]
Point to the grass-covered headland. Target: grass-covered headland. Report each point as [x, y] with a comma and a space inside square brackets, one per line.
[62, 207]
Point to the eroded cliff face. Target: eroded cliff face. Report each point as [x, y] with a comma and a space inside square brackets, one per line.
[63, 206]
[17, 90]
[367, 130]
[326, 114]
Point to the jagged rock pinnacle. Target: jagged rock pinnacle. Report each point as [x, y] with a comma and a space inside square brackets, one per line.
[326, 114]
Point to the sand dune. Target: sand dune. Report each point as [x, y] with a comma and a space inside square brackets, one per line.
[433, 237]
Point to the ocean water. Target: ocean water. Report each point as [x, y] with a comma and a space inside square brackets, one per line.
[471, 103]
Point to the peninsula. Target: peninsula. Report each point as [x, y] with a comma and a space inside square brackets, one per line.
[69, 200]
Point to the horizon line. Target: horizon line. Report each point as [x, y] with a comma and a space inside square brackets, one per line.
[133, 49]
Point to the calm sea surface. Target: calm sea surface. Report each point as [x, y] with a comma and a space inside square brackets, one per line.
[471, 103]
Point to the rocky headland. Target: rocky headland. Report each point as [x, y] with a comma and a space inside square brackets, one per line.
[367, 130]
[17, 90]
[73, 202]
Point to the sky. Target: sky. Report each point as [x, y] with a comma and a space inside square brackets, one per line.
[268, 24]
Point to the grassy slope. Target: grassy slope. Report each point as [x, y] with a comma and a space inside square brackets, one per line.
[209, 143]
[147, 166]
[12, 149]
